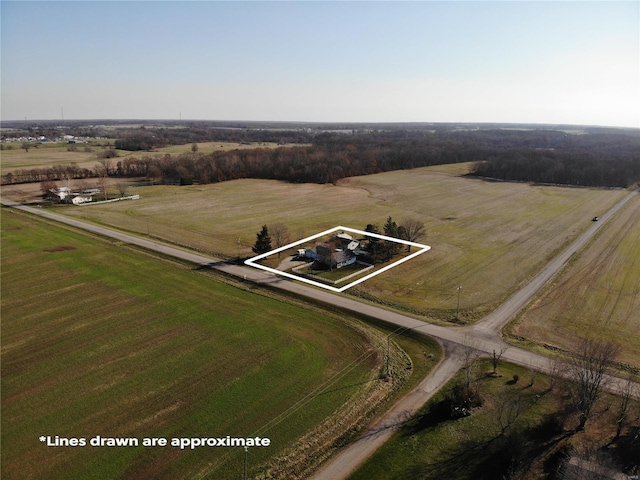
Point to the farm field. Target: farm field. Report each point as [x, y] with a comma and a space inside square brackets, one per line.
[488, 237]
[47, 155]
[598, 292]
[205, 148]
[520, 431]
[100, 339]
[50, 154]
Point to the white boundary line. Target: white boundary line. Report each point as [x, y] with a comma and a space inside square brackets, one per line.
[252, 262]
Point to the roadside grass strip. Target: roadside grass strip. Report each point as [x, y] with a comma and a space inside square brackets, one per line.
[253, 262]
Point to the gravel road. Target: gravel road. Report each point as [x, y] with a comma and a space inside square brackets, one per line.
[482, 336]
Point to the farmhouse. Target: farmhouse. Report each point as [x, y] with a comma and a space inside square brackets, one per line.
[65, 194]
[337, 252]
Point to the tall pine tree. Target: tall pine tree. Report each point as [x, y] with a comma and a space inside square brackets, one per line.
[263, 241]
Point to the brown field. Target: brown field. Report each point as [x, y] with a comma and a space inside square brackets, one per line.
[487, 237]
[49, 154]
[597, 294]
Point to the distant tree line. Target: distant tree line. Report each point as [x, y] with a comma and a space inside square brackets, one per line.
[147, 139]
[601, 158]
[55, 172]
[569, 168]
[603, 161]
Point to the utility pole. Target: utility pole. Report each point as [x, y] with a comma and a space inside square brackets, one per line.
[458, 311]
[246, 450]
[388, 354]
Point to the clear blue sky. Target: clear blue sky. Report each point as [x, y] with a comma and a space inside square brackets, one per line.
[425, 61]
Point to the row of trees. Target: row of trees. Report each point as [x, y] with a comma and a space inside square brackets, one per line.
[145, 138]
[560, 168]
[600, 159]
[55, 172]
[379, 250]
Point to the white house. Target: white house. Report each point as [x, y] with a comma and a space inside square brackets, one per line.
[338, 252]
[62, 194]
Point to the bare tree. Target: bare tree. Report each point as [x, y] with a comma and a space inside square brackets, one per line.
[556, 367]
[412, 230]
[623, 411]
[470, 357]
[102, 184]
[279, 234]
[587, 369]
[105, 168]
[495, 359]
[508, 409]
[122, 189]
[46, 186]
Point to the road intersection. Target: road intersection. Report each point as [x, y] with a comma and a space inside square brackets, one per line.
[483, 336]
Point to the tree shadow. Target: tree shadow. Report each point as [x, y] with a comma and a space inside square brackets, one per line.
[626, 450]
[501, 456]
[438, 413]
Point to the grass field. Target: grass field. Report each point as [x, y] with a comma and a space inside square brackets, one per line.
[49, 154]
[537, 437]
[207, 147]
[488, 237]
[99, 339]
[597, 294]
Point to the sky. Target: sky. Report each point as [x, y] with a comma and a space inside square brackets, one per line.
[569, 62]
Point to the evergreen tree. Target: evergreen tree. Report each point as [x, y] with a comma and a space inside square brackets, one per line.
[263, 241]
[373, 243]
[391, 230]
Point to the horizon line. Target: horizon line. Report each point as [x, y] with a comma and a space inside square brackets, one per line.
[313, 122]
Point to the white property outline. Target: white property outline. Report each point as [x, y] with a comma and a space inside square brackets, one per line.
[252, 261]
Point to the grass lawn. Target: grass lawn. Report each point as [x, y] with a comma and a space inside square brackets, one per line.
[98, 339]
[598, 294]
[335, 274]
[489, 237]
[520, 431]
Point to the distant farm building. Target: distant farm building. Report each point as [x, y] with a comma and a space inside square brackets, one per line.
[66, 195]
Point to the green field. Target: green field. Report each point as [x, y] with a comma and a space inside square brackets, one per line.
[488, 237]
[100, 339]
[520, 431]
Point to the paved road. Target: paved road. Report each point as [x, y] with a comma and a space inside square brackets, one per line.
[482, 336]
[348, 459]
